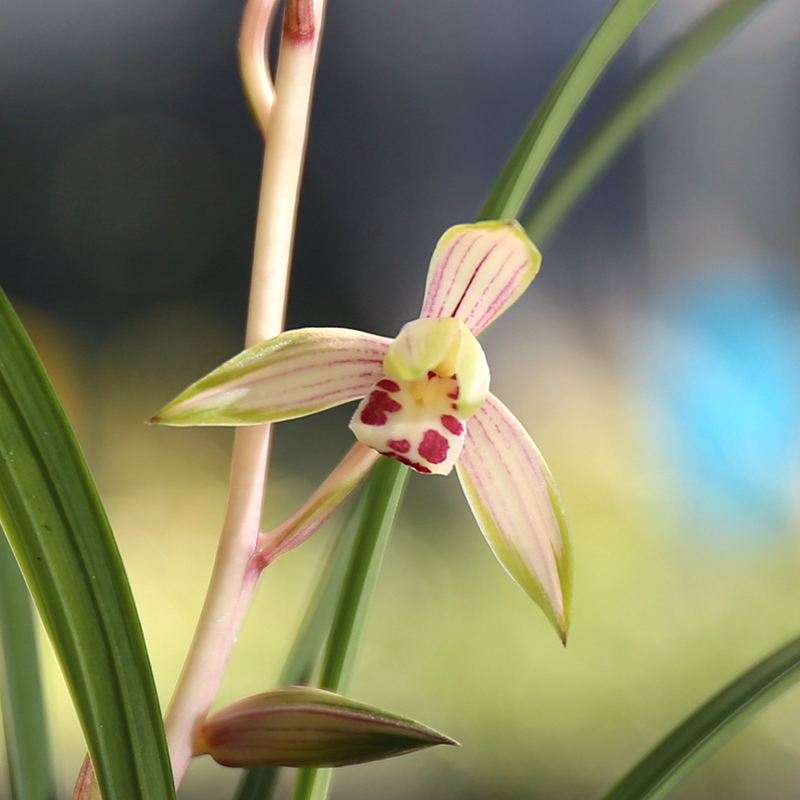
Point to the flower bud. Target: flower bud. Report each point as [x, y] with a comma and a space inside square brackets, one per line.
[300, 726]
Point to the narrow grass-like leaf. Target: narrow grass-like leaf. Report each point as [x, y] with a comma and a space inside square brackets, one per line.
[61, 538]
[386, 486]
[27, 741]
[657, 84]
[710, 726]
[384, 492]
[562, 103]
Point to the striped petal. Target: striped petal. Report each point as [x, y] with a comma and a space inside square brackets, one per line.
[517, 505]
[295, 374]
[477, 271]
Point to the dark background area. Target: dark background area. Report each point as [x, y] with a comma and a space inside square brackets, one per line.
[130, 164]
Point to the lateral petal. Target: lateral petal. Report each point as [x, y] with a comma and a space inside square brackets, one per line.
[517, 506]
[477, 271]
[297, 373]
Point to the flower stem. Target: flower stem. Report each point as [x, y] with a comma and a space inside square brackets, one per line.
[253, 61]
[384, 492]
[259, 784]
[234, 576]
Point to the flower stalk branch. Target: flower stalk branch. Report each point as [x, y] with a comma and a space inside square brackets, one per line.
[235, 575]
[253, 59]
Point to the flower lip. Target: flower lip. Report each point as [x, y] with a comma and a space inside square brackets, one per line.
[414, 422]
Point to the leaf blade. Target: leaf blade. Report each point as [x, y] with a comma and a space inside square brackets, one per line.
[659, 81]
[27, 739]
[260, 784]
[562, 103]
[61, 538]
[384, 492]
[708, 728]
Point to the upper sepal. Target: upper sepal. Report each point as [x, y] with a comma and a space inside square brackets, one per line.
[299, 726]
[297, 373]
[477, 271]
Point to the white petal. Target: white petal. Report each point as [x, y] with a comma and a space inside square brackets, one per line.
[295, 374]
[477, 271]
[516, 503]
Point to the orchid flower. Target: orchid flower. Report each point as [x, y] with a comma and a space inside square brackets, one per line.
[425, 401]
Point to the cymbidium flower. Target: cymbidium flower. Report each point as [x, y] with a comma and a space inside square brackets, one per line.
[425, 401]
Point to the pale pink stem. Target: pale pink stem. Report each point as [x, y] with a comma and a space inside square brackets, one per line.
[253, 59]
[234, 576]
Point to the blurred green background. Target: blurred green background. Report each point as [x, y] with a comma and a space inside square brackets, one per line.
[654, 361]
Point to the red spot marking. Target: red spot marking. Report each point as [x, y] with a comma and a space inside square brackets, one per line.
[433, 447]
[298, 20]
[431, 374]
[455, 394]
[390, 386]
[454, 405]
[452, 424]
[378, 406]
[408, 462]
[399, 445]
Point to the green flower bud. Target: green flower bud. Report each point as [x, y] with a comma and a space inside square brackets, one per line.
[300, 726]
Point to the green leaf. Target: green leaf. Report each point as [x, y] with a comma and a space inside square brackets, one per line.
[559, 108]
[658, 82]
[710, 726]
[384, 493]
[61, 538]
[27, 740]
